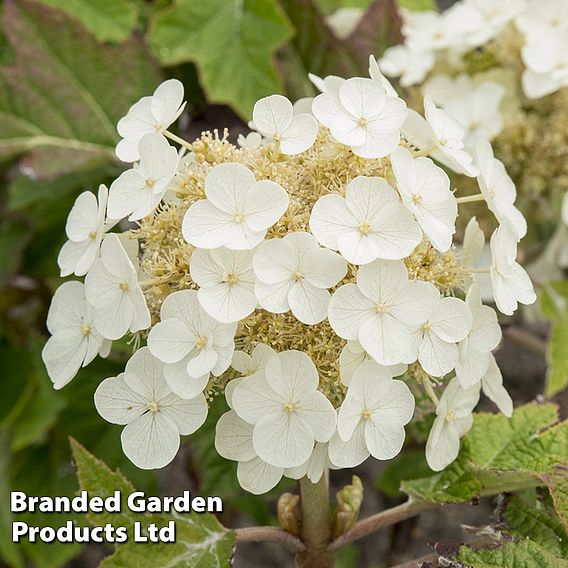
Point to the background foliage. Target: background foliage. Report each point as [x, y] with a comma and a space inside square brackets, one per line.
[69, 69]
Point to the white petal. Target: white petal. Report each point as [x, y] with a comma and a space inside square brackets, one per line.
[363, 98]
[329, 219]
[274, 261]
[471, 365]
[272, 115]
[384, 441]
[347, 311]
[283, 440]
[381, 281]
[116, 402]
[181, 383]
[318, 413]
[323, 268]
[228, 303]
[83, 217]
[77, 257]
[253, 399]
[300, 135]
[416, 302]
[201, 364]
[150, 441]
[327, 107]
[492, 385]
[187, 415]
[63, 355]
[443, 445]
[292, 374]
[170, 340]
[273, 297]
[204, 270]
[166, 102]
[68, 309]
[436, 356]
[386, 339]
[308, 304]
[233, 438]
[452, 320]
[227, 186]
[351, 453]
[144, 374]
[206, 226]
[257, 477]
[114, 320]
[266, 202]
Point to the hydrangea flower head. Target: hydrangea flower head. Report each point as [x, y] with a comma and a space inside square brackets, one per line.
[296, 274]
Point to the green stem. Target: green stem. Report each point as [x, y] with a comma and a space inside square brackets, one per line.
[470, 198]
[177, 139]
[316, 524]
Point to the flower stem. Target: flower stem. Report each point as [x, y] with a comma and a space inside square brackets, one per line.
[470, 198]
[270, 534]
[382, 519]
[177, 139]
[316, 524]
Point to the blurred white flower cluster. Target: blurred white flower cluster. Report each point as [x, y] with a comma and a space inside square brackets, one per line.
[430, 36]
[484, 62]
[299, 274]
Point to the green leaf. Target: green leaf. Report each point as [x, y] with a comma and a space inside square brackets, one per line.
[525, 554]
[232, 42]
[456, 484]
[498, 442]
[537, 522]
[501, 454]
[61, 99]
[554, 305]
[14, 236]
[408, 465]
[418, 5]
[9, 551]
[108, 20]
[200, 539]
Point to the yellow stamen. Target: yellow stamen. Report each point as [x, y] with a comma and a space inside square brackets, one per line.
[381, 308]
[123, 286]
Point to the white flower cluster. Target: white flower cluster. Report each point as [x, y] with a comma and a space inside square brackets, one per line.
[348, 269]
[432, 36]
